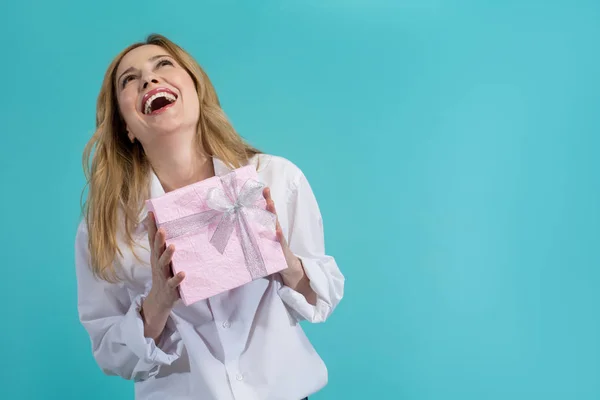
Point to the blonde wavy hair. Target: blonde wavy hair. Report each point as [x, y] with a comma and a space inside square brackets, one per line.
[117, 171]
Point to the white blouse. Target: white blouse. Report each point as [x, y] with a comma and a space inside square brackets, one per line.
[244, 344]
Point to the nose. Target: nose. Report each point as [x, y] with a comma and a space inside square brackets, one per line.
[153, 80]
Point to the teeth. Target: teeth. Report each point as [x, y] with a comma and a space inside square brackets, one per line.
[148, 105]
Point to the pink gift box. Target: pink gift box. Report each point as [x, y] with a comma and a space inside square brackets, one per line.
[223, 235]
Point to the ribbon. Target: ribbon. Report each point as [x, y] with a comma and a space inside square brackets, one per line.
[234, 207]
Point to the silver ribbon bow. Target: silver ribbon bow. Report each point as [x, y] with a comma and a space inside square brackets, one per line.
[235, 207]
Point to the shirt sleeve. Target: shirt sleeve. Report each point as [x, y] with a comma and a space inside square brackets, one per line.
[306, 240]
[115, 326]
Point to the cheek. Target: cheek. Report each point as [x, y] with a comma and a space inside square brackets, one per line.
[186, 85]
[192, 100]
[127, 105]
[190, 97]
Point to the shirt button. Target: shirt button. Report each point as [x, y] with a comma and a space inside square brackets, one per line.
[239, 377]
[226, 324]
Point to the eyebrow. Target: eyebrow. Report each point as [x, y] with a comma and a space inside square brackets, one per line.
[150, 59]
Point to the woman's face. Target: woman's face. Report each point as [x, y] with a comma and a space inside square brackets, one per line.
[156, 95]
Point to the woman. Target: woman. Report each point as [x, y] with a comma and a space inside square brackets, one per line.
[159, 128]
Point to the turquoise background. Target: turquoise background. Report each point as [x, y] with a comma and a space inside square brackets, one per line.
[452, 146]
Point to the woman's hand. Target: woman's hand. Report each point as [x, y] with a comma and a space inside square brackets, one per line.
[293, 276]
[164, 292]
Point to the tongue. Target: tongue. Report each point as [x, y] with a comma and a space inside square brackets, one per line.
[159, 103]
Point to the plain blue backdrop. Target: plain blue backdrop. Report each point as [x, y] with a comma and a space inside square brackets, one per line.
[452, 146]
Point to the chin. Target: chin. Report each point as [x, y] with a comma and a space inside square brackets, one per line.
[172, 127]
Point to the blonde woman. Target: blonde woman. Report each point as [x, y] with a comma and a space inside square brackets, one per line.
[159, 128]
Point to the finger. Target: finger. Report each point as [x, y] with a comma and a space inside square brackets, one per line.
[165, 258]
[159, 241]
[176, 280]
[271, 207]
[267, 193]
[151, 225]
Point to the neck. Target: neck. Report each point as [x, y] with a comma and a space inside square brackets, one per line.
[179, 164]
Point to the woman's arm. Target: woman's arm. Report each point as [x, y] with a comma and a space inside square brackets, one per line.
[316, 286]
[115, 325]
[297, 280]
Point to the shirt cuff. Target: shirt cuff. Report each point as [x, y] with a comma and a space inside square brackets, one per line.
[319, 284]
[151, 356]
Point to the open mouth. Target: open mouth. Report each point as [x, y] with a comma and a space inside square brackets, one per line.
[158, 100]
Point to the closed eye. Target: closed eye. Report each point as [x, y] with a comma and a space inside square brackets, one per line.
[164, 62]
[127, 79]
